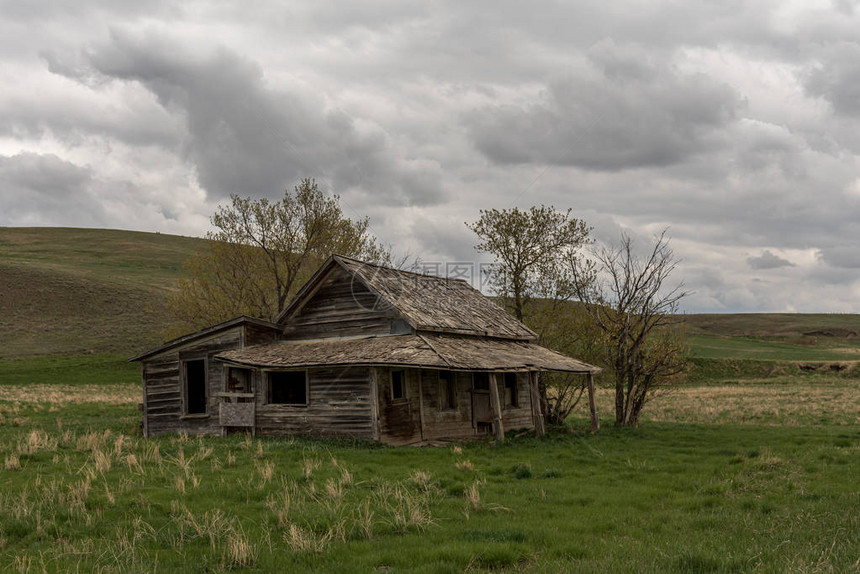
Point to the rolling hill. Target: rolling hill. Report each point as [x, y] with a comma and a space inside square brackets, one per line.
[68, 291]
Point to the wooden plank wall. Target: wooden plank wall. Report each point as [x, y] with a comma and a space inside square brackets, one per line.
[162, 385]
[399, 421]
[258, 335]
[339, 404]
[341, 307]
[516, 418]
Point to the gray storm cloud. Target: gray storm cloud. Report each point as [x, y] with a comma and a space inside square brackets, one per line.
[736, 125]
[630, 110]
[246, 138]
[768, 260]
[46, 185]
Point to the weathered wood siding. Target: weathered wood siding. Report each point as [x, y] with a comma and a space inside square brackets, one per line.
[519, 417]
[161, 395]
[342, 306]
[163, 389]
[339, 404]
[259, 335]
[163, 408]
[399, 419]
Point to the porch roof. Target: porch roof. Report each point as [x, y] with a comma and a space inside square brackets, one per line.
[427, 350]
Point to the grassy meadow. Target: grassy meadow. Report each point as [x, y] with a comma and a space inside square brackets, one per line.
[751, 465]
[725, 476]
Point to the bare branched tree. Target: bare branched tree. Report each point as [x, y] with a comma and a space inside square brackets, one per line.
[636, 314]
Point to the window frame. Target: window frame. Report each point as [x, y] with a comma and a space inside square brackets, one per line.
[447, 391]
[267, 376]
[184, 391]
[250, 371]
[482, 374]
[515, 397]
[403, 396]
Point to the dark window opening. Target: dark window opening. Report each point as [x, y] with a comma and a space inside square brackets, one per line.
[287, 388]
[398, 388]
[511, 395]
[238, 380]
[447, 390]
[195, 387]
[481, 381]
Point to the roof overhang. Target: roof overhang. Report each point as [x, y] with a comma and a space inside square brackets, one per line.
[191, 337]
[424, 350]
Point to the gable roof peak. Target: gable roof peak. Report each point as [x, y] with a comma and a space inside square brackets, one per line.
[426, 302]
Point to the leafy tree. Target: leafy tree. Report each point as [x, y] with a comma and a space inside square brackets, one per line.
[529, 247]
[530, 275]
[261, 252]
[642, 335]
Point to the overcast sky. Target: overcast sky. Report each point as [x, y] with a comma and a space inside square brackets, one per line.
[735, 124]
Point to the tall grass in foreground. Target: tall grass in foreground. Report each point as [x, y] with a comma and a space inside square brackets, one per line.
[666, 497]
[770, 487]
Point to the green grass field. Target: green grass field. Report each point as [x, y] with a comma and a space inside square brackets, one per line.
[750, 476]
[772, 349]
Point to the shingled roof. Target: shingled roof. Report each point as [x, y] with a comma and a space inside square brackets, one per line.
[426, 302]
[427, 350]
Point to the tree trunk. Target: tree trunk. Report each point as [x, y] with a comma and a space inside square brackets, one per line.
[619, 400]
[549, 415]
[592, 408]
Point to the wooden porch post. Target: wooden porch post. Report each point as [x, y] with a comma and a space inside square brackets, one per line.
[536, 412]
[497, 408]
[595, 422]
[374, 402]
[421, 402]
[145, 405]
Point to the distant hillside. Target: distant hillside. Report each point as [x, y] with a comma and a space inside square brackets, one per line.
[775, 325]
[73, 291]
[77, 291]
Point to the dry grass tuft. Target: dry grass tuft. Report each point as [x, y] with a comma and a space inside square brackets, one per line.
[109, 495]
[407, 510]
[423, 480]
[37, 440]
[280, 506]
[102, 461]
[266, 470]
[345, 477]
[239, 552]
[334, 490]
[12, 462]
[179, 484]
[309, 465]
[134, 465]
[302, 540]
[362, 517]
[473, 497]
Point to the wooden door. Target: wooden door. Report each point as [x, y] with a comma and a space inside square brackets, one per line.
[482, 411]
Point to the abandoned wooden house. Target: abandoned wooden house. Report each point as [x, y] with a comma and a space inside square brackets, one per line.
[361, 351]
